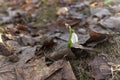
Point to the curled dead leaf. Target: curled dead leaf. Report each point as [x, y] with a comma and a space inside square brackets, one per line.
[96, 38]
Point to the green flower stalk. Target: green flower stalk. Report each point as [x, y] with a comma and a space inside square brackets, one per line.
[73, 36]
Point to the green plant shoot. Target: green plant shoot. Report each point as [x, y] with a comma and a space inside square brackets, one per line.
[73, 36]
[107, 2]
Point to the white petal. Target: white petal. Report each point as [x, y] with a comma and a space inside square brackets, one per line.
[74, 38]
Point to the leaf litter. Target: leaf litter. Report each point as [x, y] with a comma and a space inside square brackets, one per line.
[30, 52]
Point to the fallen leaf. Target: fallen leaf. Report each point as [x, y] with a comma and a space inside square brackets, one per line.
[12, 45]
[115, 1]
[100, 68]
[116, 8]
[4, 50]
[13, 58]
[26, 40]
[26, 55]
[111, 23]
[100, 12]
[68, 72]
[62, 11]
[46, 72]
[59, 54]
[48, 43]
[96, 38]
[93, 4]
[21, 27]
[31, 1]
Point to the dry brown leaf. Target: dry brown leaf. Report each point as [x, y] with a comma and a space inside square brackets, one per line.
[31, 1]
[26, 40]
[62, 11]
[4, 51]
[100, 12]
[68, 72]
[94, 4]
[28, 1]
[59, 54]
[21, 27]
[111, 23]
[100, 68]
[96, 38]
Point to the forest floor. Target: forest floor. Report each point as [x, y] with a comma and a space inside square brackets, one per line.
[34, 38]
